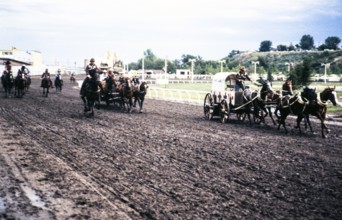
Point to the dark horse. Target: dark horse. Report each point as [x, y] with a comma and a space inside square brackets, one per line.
[139, 95]
[58, 84]
[264, 102]
[20, 84]
[317, 106]
[294, 105]
[46, 84]
[7, 82]
[90, 92]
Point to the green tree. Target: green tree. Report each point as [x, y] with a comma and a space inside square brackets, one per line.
[291, 47]
[332, 43]
[281, 47]
[307, 42]
[265, 46]
[322, 47]
[149, 54]
[301, 73]
[263, 62]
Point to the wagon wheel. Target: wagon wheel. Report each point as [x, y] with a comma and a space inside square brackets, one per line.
[208, 107]
[241, 116]
[224, 111]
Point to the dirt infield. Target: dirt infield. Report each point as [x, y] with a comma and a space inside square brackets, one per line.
[167, 163]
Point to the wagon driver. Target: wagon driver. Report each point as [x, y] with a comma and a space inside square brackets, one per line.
[287, 88]
[240, 78]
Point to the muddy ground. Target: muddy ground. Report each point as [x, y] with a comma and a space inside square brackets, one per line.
[166, 163]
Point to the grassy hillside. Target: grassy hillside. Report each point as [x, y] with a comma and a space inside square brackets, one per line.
[275, 61]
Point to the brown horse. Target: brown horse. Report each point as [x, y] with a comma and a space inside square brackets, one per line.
[264, 103]
[126, 92]
[318, 106]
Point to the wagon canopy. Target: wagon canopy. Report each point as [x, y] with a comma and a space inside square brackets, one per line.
[222, 80]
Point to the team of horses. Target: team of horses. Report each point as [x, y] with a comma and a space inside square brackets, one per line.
[122, 92]
[268, 102]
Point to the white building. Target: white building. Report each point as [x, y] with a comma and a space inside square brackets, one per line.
[31, 57]
[183, 73]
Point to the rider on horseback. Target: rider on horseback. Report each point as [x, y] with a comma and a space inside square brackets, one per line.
[58, 75]
[8, 69]
[92, 80]
[240, 78]
[287, 88]
[46, 75]
[24, 70]
[135, 81]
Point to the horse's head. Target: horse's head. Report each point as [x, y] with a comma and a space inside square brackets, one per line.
[329, 94]
[143, 87]
[266, 86]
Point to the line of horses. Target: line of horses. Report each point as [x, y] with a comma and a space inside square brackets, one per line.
[18, 85]
[121, 92]
[268, 102]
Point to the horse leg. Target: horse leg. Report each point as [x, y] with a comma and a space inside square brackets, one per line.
[323, 126]
[85, 104]
[91, 107]
[270, 113]
[282, 119]
[141, 102]
[130, 104]
[135, 101]
[299, 119]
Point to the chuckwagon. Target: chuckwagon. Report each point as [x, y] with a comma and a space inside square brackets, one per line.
[225, 99]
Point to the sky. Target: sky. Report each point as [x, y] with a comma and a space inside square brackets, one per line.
[70, 31]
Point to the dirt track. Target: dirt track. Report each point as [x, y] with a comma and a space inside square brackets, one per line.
[167, 163]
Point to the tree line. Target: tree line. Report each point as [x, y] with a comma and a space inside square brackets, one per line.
[305, 43]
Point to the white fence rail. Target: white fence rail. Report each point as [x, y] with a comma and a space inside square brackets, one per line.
[176, 95]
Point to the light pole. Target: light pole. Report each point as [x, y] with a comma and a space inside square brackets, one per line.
[222, 61]
[192, 69]
[255, 63]
[165, 67]
[143, 69]
[289, 66]
[326, 65]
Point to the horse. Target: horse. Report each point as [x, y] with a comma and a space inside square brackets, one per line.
[90, 95]
[295, 105]
[264, 101]
[58, 84]
[72, 79]
[46, 84]
[245, 108]
[7, 83]
[139, 95]
[20, 84]
[318, 107]
[126, 92]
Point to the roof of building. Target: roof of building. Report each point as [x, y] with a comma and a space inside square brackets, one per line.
[13, 62]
